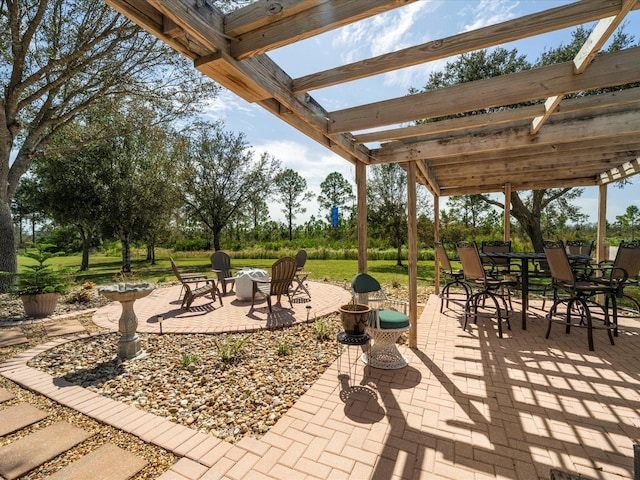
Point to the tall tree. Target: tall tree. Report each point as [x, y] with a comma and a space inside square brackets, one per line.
[387, 204]
[220, 176]
[336, 191]
[291, 190]
[526, 207]
[630, 220]
[86, 186]
[58, 57]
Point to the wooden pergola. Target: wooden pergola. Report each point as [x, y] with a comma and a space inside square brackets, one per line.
[557, 142]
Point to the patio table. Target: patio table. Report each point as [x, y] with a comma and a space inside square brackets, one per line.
[524, 258]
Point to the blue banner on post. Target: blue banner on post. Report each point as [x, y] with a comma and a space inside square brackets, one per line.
[334, 216]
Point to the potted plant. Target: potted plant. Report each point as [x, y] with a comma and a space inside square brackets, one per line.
[39, 286]
[354, 317]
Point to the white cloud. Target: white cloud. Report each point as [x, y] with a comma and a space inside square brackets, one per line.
[313, 164]
[227, 103]
[489, 12]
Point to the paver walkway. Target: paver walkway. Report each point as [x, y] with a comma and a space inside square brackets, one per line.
[469, 405]
[33, 449]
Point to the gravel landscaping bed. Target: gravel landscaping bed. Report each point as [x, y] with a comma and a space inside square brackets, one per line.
[186, 379]
[182, 377]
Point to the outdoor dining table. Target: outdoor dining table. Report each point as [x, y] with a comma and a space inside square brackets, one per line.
[524, 258]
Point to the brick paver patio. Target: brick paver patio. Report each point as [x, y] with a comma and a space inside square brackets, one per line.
[468, 406]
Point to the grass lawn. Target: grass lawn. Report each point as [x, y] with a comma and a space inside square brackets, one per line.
[104, 269]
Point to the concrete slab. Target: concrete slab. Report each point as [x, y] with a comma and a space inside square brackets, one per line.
[63, 327]
[19, 416]
[12, 336]
[31, 451]
[108, 462]
[5, 395]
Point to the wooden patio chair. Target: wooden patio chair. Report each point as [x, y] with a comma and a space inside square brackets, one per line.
[190, 286]
[580, 296]
[193, 278]
[283, 272]
[221, 265]
[301, 259]
[301, 275]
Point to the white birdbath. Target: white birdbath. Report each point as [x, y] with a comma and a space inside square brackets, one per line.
[127, 294]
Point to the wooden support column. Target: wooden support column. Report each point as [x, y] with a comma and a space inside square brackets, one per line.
[361, 193]
[436, 237]
[601, 250]
[413, 252]
[507, 212]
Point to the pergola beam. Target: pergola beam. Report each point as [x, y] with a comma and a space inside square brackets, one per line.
[599, 35]
[623, 124]
[471, 122]
[303, 23]
[522, 27]
[492, 92]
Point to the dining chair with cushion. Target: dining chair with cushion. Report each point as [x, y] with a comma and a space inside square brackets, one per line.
[580, 296]
[455, 276]
[221, 265]
[282, 274]
[388, 321]
[484, 287]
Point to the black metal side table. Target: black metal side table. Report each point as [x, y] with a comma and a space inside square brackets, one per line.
[349, 340]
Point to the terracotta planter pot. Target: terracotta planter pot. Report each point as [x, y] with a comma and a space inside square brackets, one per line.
[40, 305]
[355, 317]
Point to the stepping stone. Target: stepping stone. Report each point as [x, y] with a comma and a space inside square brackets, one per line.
[63, 327]
[12, 336]
[108, 462]
[19, 416]
[31, 451]
[5, 395]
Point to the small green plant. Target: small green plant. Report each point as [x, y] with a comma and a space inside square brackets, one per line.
[322, 329]
[284, 348]
[189, 359]
[41, 278]
[229, 348]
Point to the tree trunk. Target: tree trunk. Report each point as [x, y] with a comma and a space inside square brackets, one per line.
[86, 245]
[151, 254]
[399, 254]
[126, 252]
[8, 258]
[216, 240]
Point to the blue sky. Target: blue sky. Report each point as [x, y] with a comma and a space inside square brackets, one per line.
[414, 24]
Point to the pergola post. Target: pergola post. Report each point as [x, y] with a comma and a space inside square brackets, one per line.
[436, 237]
[413, 253]
[507, 212]
[601, 250]
[361, 194]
